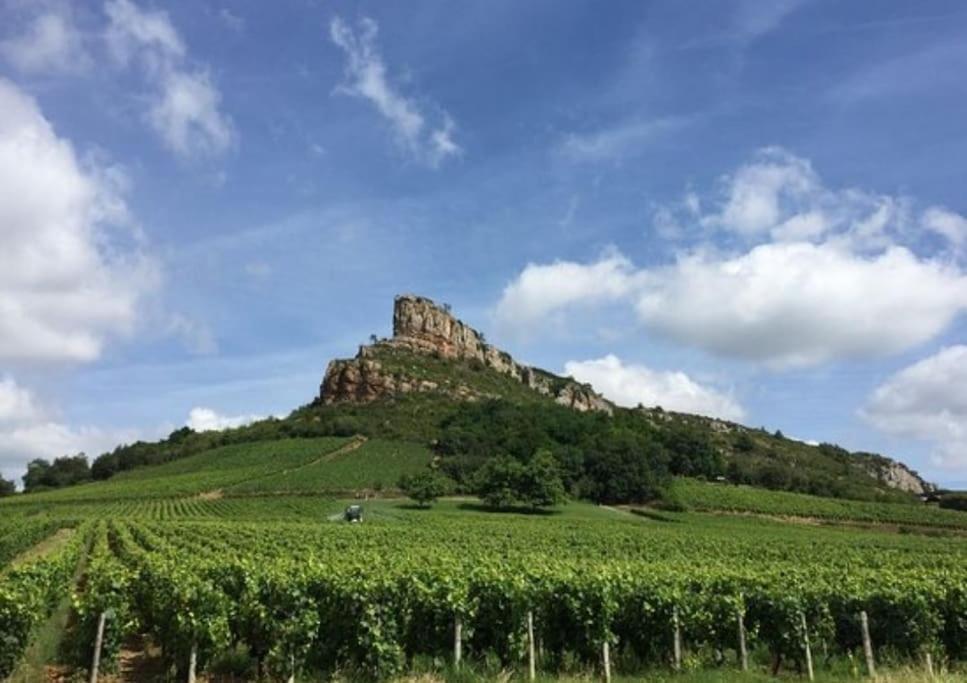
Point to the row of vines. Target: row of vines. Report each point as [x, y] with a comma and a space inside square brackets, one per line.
[29, 592]
[370, 600]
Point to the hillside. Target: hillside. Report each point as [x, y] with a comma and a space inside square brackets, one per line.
[437, 383]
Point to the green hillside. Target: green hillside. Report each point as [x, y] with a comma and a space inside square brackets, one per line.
[376, 465]
[705, 496]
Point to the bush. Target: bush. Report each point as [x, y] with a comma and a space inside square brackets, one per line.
[956, 501]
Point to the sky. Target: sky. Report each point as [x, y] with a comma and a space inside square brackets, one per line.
[748, 209]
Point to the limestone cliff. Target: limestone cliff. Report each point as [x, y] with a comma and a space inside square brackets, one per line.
[420, 326]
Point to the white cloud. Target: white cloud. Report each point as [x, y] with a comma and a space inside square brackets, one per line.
[67, 281]
[184, 105]
[541, 290]
[630, 384]
[17, 404]
[817, 274]
[927, 401]
[51, 42]
[800, 304]
[187, 116]
[29, 431]
[622, 140]
[207, 420]
[366, 77]
[949, 225]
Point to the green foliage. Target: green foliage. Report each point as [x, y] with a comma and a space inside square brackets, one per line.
[362, 599]
[65, 471]
[28, 593]
[954, 501]
[424, 487]
[504, 481]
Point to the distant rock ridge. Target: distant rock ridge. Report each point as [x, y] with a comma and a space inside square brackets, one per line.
[422, 326]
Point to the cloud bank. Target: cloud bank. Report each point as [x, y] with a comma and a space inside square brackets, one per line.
[798, 274]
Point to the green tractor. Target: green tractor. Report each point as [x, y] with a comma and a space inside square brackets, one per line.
[353, 513]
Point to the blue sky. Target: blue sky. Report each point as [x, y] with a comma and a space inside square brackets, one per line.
[748, 209]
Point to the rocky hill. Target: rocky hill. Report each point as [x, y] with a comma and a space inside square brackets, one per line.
[422, 327]
[437, 382]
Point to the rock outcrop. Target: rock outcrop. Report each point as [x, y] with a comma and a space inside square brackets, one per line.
[896, 475]
[421, 326]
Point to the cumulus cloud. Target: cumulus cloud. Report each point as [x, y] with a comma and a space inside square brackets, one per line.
[630, 384]
[70, 276]
[542, 290]
[800, 304]
[366, 77]
[49, 42]
[184, 103]
[207, 420]
[28, 430]
[927, 401]
[786, 272]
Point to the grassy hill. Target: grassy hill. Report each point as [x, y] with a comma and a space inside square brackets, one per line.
[422, 422]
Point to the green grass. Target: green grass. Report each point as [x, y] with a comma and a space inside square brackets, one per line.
[698, 495]
[376, 465]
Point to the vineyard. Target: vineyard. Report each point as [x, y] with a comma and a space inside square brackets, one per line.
[700, 495]
[203, 579]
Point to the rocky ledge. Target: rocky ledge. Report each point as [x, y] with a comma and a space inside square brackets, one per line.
[423, 327]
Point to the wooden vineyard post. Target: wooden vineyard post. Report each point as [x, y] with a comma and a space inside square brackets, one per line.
[929, 660]
[531, 663]
[805, 642]
[192, 663]
[867, 644]
[457, 641]
[606, 658]
[743, 652]
[676, 640]
[98, 643]
[291, 669]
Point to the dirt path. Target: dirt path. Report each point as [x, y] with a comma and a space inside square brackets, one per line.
[47, 546]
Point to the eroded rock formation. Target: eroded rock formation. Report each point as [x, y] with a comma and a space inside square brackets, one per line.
[421, 326]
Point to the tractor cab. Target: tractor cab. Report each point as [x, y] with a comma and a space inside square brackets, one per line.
[354, 513]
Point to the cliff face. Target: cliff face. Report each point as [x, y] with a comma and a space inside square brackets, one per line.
[420, 326]
[896, 475]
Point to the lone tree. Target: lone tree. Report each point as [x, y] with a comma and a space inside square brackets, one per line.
[503, 481]
[424, 487]
[7, 487]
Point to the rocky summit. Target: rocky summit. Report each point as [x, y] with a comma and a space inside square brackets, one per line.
[423, 327]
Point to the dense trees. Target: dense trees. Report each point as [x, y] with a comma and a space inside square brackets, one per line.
[623, 458]
[65, 471]
[7, 487]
